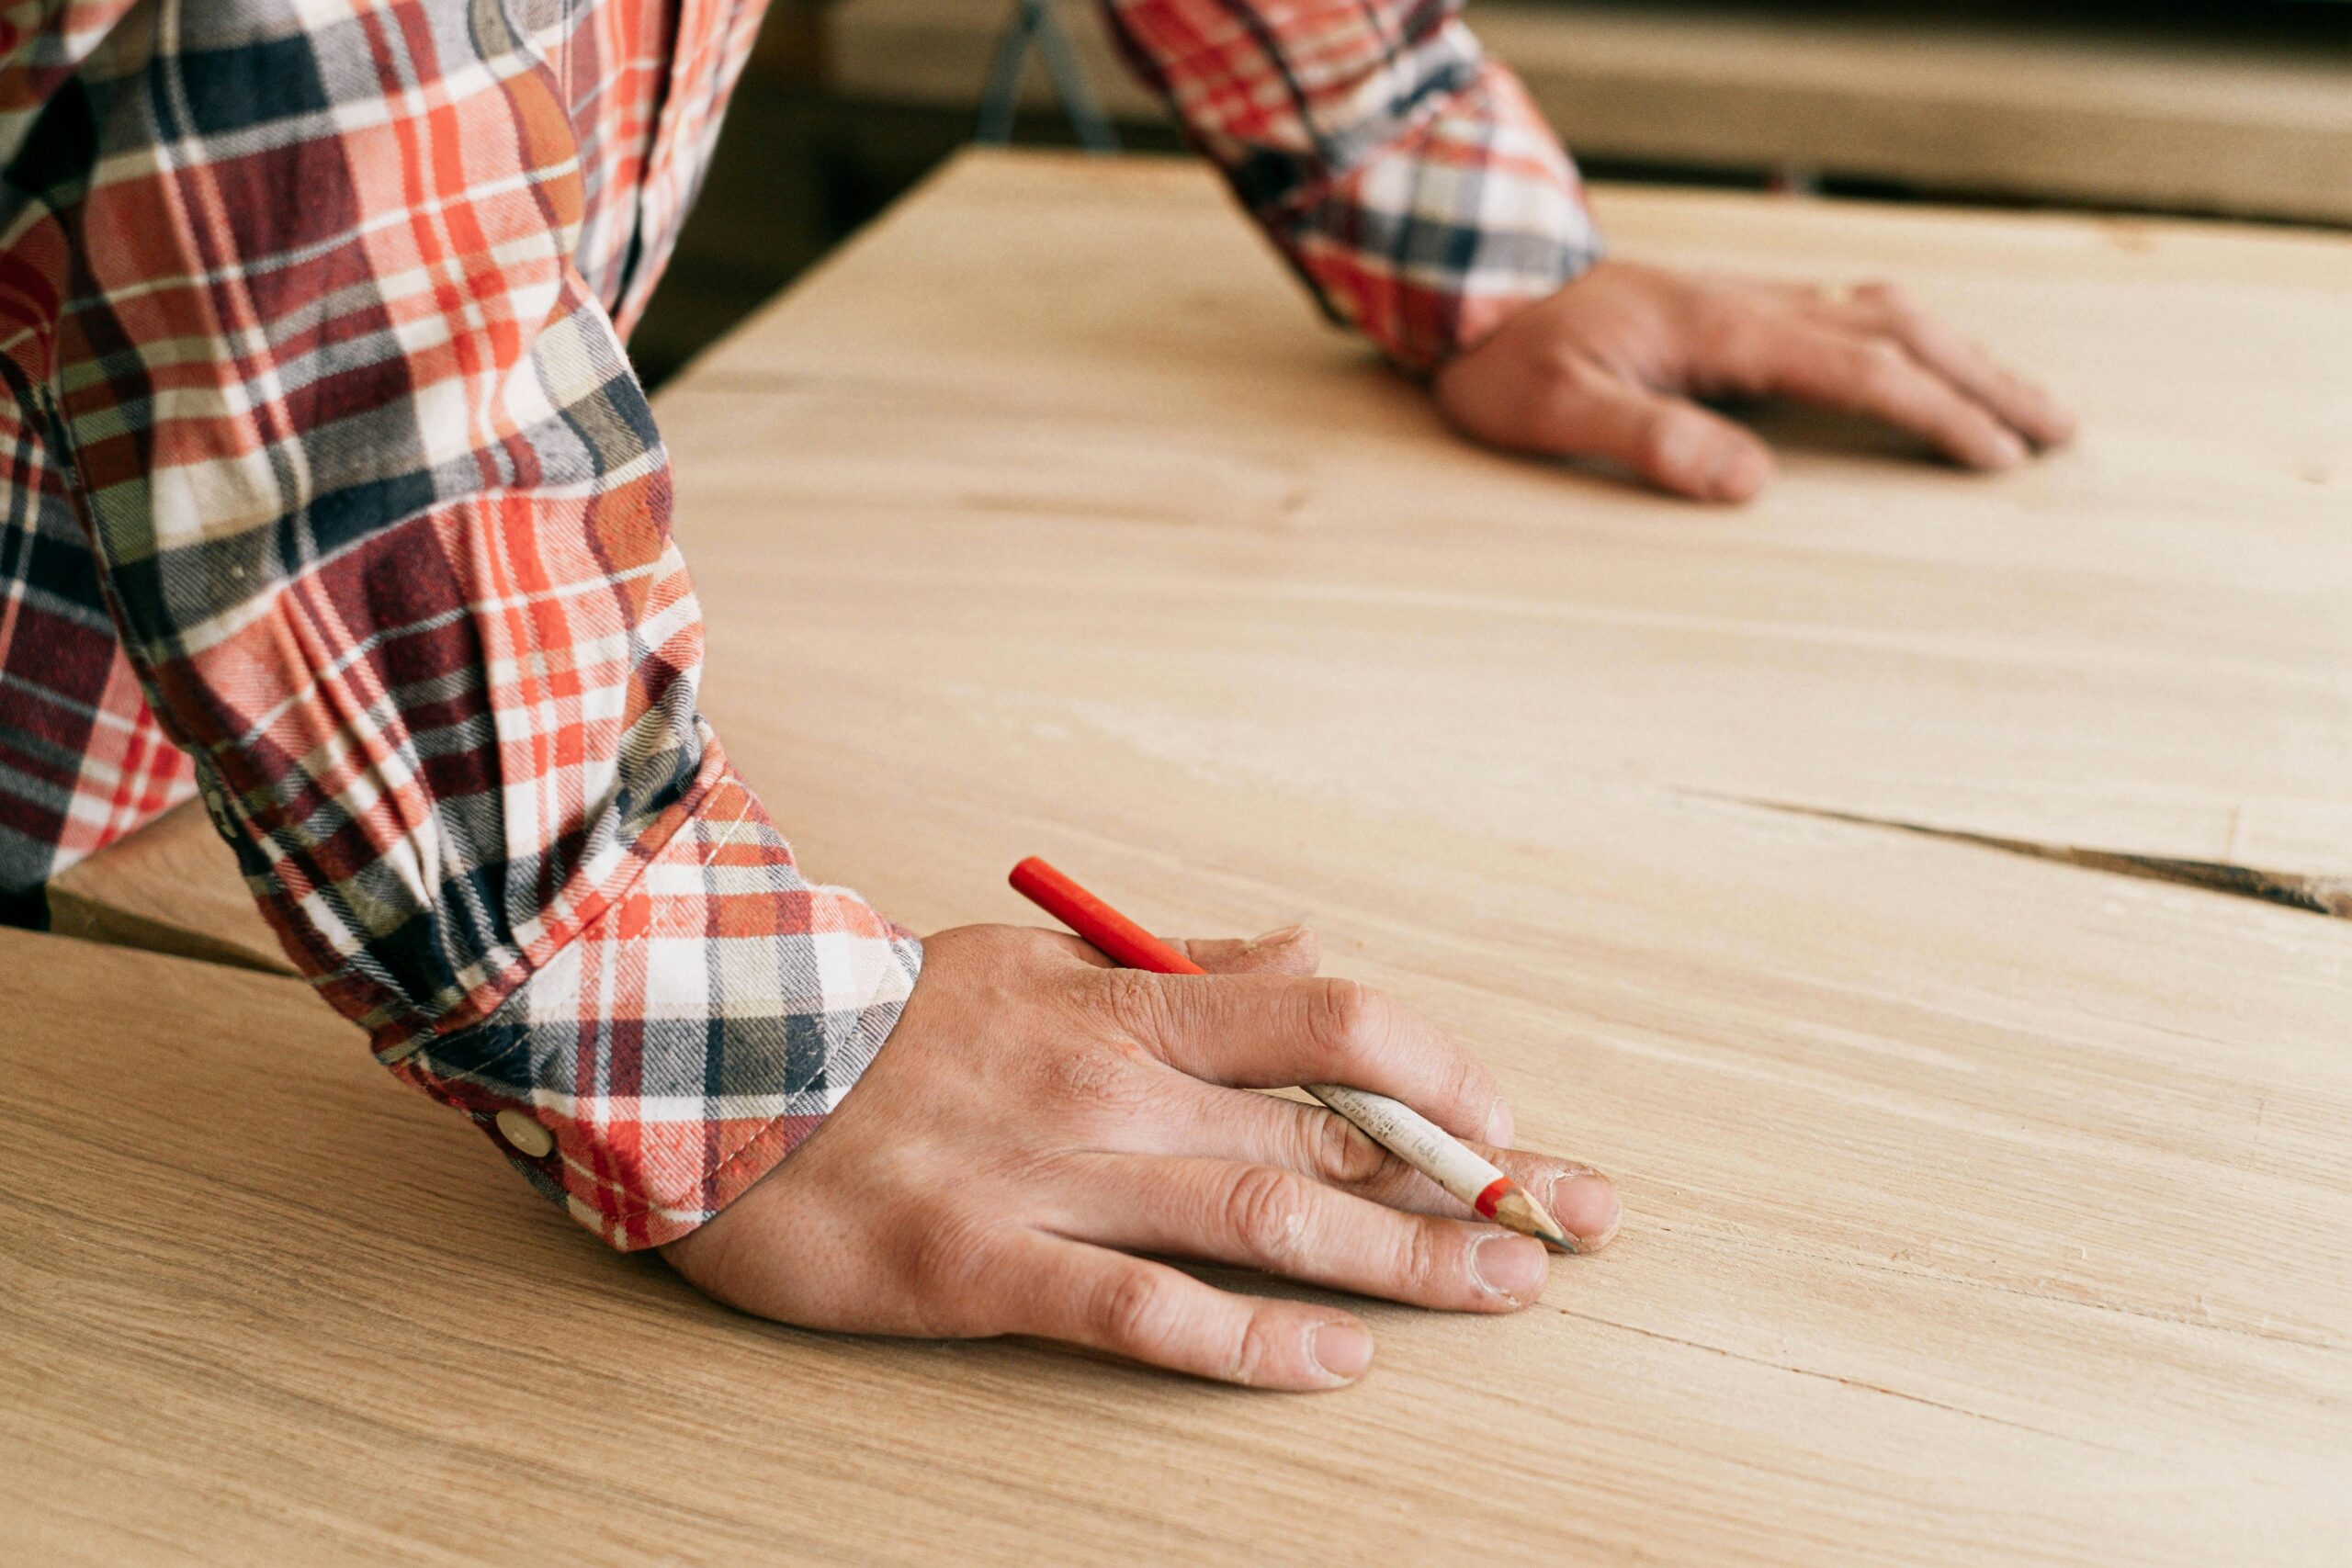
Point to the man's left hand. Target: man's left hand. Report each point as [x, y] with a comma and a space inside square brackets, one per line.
[1607, 368]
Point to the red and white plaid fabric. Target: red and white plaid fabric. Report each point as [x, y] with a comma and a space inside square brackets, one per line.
[330, 491]
[1407, 177]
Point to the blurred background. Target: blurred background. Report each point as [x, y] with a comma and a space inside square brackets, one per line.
[2204, 107]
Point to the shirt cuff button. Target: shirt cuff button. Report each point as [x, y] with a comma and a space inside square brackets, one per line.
[524, 1136]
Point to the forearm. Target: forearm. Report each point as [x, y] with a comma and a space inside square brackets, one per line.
[526, 867]
[384, 520]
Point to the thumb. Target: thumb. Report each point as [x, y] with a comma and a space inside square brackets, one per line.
[1671, 442]
[1290, 951]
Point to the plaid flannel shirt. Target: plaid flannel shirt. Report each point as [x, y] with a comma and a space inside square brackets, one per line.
[330, 496]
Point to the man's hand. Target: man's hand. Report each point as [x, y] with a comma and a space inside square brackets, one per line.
[1037, 1119]
[1606, 368]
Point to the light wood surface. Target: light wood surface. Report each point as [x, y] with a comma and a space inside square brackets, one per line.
[1981, 1208]
[1073, 428]
[2122, 113]
[1245, 547]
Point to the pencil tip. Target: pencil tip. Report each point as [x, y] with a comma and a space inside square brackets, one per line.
[1522, 1212]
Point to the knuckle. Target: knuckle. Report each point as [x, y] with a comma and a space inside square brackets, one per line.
[1261, 1343]
[1471, 1089]
[1561, 382]
[949, 1259]
[1133, 1001]
[1094, 1080]
[1135, 1310]
[1559, 365]
[1880, 366]
[1265, 1210]
[1346, 1017]
[1338, 1153]
[1422, 1258]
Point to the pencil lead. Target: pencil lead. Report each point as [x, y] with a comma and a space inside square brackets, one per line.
[1521, 1212]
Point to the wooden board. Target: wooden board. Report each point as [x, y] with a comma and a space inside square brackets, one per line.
[1057, 446]
[1068, 427]
[1980, 1210]
[2125, 112]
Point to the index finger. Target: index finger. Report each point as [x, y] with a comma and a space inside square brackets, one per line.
[1274, 1032]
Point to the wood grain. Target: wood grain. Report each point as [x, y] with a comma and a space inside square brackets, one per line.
[1052, 405]
[1981, 1208]
[2122, 114]
[1157, 503]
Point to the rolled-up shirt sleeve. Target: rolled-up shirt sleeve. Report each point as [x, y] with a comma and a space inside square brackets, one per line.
[1407, 177]
[384, 525]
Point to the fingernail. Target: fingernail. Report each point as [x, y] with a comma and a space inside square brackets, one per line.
[1339, 1347]
[1277, 939]
[1587, 1204]
[1501, 1125]
[2008, 450]
[1509, 1266]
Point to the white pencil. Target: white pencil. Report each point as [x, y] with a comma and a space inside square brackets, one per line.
[1444, 1159]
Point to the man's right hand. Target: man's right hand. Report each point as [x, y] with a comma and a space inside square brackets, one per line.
[1038, 1119]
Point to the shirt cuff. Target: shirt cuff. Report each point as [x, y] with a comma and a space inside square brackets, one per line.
[1465, 217]
[696, 1029]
